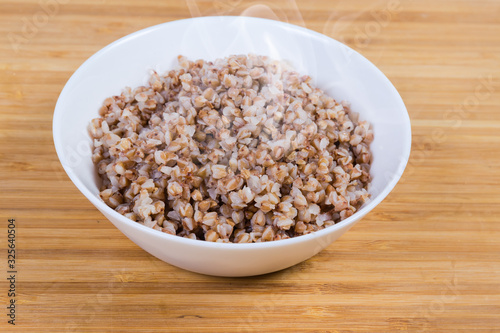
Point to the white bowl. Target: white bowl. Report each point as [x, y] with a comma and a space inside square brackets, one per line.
[341, 72]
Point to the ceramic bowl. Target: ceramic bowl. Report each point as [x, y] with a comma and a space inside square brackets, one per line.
[340, 71]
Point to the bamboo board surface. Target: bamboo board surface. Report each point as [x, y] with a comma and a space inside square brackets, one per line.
[425, 260]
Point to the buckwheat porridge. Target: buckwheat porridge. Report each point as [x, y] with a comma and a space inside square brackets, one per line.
[242, 149]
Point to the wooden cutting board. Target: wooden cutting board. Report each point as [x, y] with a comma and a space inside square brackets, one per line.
[425, 260]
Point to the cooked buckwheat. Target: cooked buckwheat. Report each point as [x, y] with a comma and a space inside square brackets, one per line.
[242, 149]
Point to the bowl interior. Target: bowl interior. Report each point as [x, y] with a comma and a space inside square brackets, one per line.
[341, 72]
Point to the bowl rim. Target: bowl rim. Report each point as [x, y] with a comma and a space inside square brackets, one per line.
[98, 203]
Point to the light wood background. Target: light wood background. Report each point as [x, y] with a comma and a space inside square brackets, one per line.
[426, 260]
